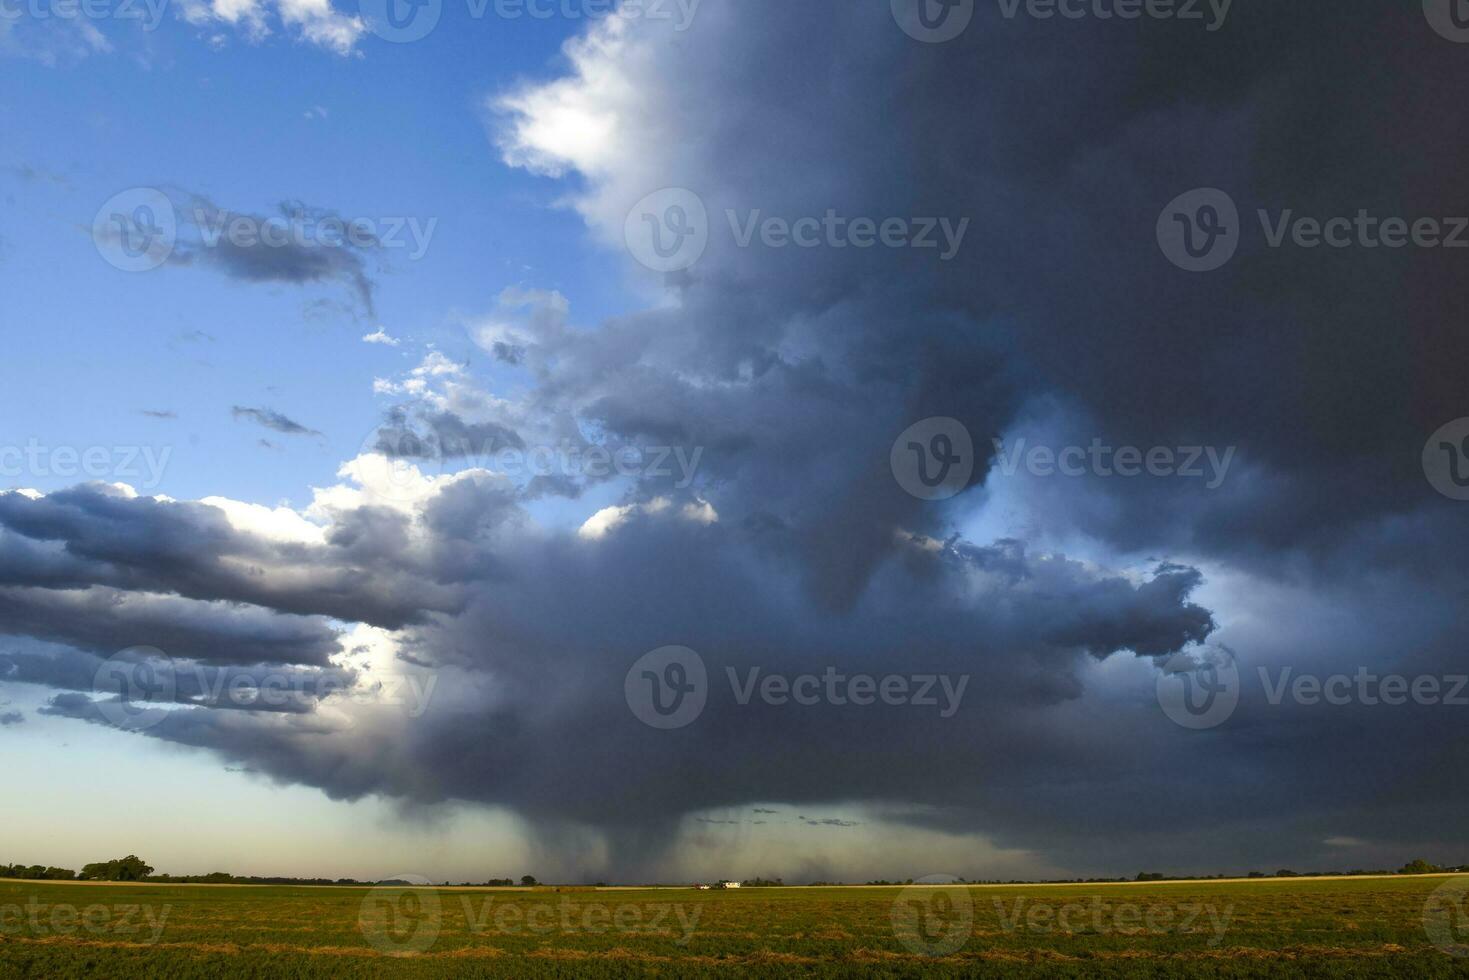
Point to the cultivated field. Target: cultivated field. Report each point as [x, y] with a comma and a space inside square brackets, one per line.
[1390, 927]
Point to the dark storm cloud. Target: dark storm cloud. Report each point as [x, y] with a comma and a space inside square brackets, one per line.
[795, 369]
[273, 420]
[92, 536]
[1326, 367]
[105, 620]
[11, 718]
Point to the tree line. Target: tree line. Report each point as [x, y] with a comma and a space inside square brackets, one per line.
[134, 868]
[130, 868]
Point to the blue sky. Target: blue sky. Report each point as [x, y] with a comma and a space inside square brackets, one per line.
[403, 135]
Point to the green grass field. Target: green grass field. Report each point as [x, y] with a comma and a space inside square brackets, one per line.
[1291, 928]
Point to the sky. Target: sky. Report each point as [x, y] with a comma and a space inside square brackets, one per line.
[695, 440]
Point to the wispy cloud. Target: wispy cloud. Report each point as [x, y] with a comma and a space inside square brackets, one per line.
[273, 420]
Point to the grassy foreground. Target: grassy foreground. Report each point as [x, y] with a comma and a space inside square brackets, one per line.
[1304, 928]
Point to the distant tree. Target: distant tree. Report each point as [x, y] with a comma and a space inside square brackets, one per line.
[1286, 873]
[130, 868]
[1256, 874]
[1149, 876]
[1419, 867]
[528, 881]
